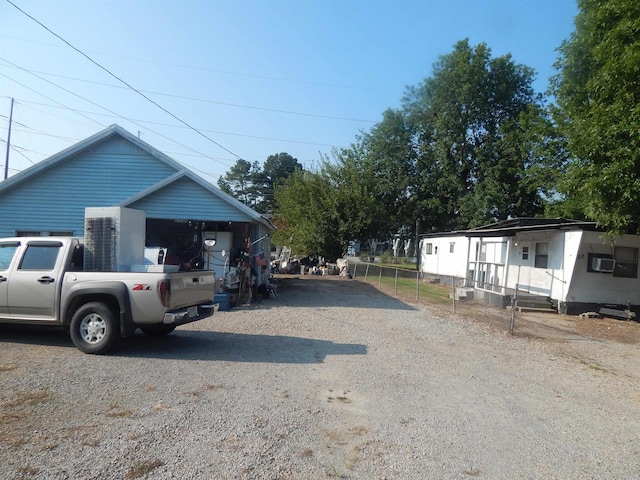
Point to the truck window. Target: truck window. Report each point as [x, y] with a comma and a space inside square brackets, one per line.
[77, 259]
[7, 250]
[40, 257]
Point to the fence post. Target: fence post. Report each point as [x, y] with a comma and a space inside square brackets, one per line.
[395, 288]
[453, 293]
[514, 305]
[355, 269]
[380, 278]
[417, 286]
[366, 272]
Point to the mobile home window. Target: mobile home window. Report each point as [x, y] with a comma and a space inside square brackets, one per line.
[483, 252]
[626, 262]
[452, 247]
[429, 248]
[542, 255]
[525, 253]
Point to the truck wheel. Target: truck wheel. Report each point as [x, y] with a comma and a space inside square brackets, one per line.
[158, 330]
[93, 328]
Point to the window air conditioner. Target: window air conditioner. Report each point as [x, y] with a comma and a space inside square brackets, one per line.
[603, 264]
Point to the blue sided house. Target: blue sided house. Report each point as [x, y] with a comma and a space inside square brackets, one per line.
[114, 169]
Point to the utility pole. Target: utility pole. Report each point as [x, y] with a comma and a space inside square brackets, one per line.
[6, 161]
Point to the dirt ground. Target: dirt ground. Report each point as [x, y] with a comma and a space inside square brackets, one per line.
[553, 326]
[549, 326]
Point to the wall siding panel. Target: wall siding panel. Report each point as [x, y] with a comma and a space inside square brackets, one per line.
[55, 199]
[186, 199]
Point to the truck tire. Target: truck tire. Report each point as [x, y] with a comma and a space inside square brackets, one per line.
[157, 330]
[93, 328]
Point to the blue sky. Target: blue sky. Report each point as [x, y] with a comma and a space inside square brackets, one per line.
[250, 77]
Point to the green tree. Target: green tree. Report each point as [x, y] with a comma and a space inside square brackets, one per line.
[470, 145]
[253, 185]
[304, 214]
[468, 124]
[319, 213]
[387, 162]
[598, 99]
[243, 182]
[276, 168]
[357, 211]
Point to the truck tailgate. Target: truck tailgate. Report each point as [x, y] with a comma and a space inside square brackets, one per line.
[192, 288]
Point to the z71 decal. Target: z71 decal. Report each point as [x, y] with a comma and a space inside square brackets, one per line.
[141, 286]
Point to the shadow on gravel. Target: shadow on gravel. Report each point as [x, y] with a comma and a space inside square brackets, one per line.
[235, 347]
[332, 290]
[35, 335]
[197, 345]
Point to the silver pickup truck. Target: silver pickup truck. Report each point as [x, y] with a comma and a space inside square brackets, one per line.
[42, 283]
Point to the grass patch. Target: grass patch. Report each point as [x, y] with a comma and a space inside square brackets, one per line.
[142, 469]
[359, 431]
[405, 284]
[161, 407]
[27, 398]
[7, 367]
[121, 414]
[116, 411]
[305, 453]
[28, 471]
[331, 472]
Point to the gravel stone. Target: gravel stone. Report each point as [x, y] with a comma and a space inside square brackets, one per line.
[331, 379]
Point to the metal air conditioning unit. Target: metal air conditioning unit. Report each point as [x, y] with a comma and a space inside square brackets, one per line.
[604, 265]
[114, 238]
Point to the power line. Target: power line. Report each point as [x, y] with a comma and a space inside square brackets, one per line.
[49, 98]
[203, 100]
[115, 115]
[110, 111]
[122, 81]
[207, 69]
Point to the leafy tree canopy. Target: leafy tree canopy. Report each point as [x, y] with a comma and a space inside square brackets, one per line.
[253, 185]
[470, 145]
[598, 111]
[469, 121]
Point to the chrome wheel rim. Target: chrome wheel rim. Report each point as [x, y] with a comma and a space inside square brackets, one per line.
[93, 328]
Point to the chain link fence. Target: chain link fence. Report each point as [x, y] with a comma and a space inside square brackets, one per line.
[445, 293]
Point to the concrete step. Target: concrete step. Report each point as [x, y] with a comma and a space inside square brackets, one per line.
[463, 294]
[548, 309]
[532, 302]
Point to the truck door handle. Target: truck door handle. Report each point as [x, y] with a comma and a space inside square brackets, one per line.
[3, 279]
[46, 280]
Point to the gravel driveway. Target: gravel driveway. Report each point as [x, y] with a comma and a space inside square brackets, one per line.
[330, 380]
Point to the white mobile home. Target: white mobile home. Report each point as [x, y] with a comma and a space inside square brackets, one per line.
[566, 261]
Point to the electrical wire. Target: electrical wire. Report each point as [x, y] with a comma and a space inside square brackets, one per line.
[108, 110]
[207, 69]
[150, 122]
[123, 81]
[203, 100]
